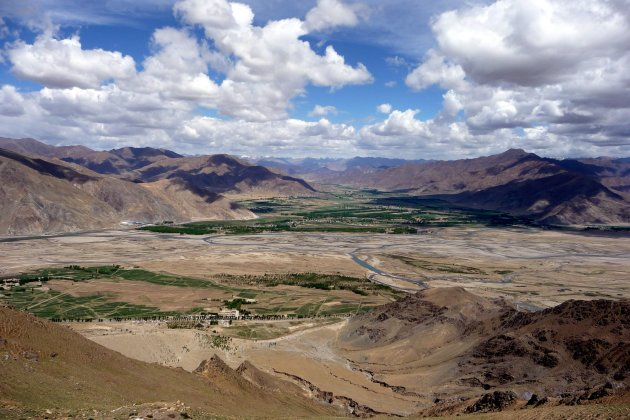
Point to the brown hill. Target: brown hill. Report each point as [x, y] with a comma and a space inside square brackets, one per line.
[447, 345]
[45, 365]
[520, 183]
[204, 176]
[38, 195]
[113, 162]
[223, 174]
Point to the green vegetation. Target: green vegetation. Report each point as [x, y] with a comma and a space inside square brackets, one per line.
[56, 305]
[321, 294]
[183, 324]
[346, 210]
[214, 341]
[78, 273]
[360, 286]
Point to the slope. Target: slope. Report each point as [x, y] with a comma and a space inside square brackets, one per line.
[44, 365]
[223, 174]
[39, 195]
[547, 190]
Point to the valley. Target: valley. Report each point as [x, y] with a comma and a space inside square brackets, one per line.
[329, 297]
[308, 288]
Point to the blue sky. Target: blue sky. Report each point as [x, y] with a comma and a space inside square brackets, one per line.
[403, 78]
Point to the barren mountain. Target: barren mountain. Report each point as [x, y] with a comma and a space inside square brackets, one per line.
[45, 365]
[39, 195]
[112, 162]
[204, 176]
[468, 353]
[223, 174]
[523, 184]
[332, 170]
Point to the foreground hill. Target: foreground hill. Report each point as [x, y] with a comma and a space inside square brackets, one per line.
[45, 366]
[465, 353]
[39, 195]
[523, 184]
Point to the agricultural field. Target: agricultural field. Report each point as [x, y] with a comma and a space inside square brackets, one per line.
[346, 210]
[78, 292]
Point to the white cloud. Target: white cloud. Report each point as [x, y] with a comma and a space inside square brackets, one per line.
[396, 61]
[436, 71]
[11, 102]
[294, 137]
[321, 111]
[63, 63]
[4, 30]
[329, 14]
[256, 86]
[556, 64]
[399, 123]
[384, 108]
[550, 76]
[532, 43]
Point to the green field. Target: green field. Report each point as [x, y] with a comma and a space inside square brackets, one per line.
[300, 295]
[55, 305]
[347, 210]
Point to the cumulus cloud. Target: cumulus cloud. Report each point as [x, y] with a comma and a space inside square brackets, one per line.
[295, 137]
[63, 63]
[436, 71]
[247, 72]
[320, 111]
[329, 14]
[11, 102]
[546, 75]
[556, 64]
[384, 108]
[271, 64]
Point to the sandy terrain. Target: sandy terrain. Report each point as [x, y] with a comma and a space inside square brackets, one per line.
[535, 268]
[531, 268]
[308, 354]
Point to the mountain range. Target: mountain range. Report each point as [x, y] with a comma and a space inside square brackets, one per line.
[549, 191]
[59, 189]
[51, 189]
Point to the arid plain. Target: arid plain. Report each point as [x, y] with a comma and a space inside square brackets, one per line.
[531, 268]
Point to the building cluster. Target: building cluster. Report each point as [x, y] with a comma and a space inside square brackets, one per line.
[8, 284]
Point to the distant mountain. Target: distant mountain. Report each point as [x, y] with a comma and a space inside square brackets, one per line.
[331, 170]
[205, 176]
[521, 183]
[224, 174]
[40, 195]
[114, 162]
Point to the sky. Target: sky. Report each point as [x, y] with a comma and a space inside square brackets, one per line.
[321, 78]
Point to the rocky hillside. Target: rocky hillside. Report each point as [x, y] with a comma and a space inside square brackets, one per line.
[465, 353]
[223, 174]
[113, 162]
[520, 183]
[45, 366]
[202, 175]
[39, 196]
